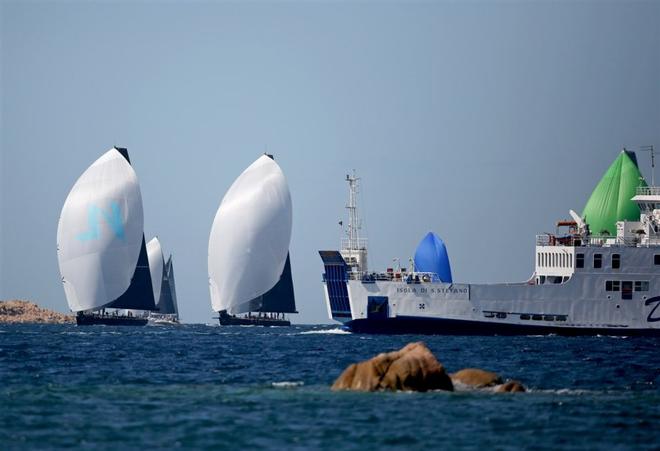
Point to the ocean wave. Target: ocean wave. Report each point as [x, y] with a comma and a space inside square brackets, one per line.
[337, 331]
[287, 384]
[569, 391]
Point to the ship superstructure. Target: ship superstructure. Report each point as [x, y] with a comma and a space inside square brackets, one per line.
[585, 282]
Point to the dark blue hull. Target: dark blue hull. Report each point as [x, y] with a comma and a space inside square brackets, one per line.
[440, 326]
[231, 320]
[109, 320]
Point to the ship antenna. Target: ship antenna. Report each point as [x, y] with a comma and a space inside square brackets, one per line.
[652, 152]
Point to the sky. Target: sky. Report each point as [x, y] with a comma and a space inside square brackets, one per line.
[484, 122]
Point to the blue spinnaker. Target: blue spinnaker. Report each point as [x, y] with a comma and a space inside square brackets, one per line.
[431, 256]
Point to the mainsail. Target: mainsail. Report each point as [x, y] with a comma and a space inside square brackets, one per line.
[100, 240]
[431, 256]
[280, 298]
[249, 241]
[168, 304]
[610, 201]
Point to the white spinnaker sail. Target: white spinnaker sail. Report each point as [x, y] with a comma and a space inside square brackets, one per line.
[250, 237]
[99, 234]
[156, 267]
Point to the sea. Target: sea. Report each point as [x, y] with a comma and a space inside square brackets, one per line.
[212, 387]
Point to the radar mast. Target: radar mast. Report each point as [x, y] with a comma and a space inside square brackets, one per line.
[354, 248]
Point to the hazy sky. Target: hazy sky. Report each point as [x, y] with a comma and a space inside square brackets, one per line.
[484, 122]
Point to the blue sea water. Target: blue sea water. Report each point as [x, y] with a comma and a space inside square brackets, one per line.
[210, 387]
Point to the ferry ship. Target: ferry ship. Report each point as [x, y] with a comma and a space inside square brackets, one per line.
[584, 283]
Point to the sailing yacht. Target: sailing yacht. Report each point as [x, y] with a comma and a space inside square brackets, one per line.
[162, 279]
[101, 248]
[248, 261]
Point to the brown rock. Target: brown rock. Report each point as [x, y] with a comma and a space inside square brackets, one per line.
[13, 312]
[412, 368]
[510, 387]
[476, 378]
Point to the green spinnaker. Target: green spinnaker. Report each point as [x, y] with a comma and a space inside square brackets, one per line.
[610, 201]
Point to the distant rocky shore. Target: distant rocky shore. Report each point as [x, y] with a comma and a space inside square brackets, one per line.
[16, 312]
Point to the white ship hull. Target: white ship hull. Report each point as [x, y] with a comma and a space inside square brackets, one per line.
[581, 305]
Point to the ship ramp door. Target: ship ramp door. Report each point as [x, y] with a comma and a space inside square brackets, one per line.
[378, 307]
[336, 279]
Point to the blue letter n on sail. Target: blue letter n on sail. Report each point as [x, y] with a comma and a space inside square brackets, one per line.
[112, 219]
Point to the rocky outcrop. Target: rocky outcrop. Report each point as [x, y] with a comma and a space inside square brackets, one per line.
[412, 368]
[475, 378]
[415, 368]
[13, 312]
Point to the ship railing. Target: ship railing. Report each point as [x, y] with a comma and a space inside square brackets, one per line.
[355, 245]
[407, 277]
[590, 241]
[648, 191]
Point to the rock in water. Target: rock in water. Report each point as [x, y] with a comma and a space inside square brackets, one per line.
[476, 378]
[412, 368]
[510, 387]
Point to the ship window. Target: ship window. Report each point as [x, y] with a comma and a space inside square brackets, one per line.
[608, 285]
[641, 285]
[616, 261]
[598, 260]
[626, 289]
[501, 315]
[561, 317]
[524, 316]
[537, 317]
[541, 280]
[579, 260]
[656, 259]
[616, 285]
